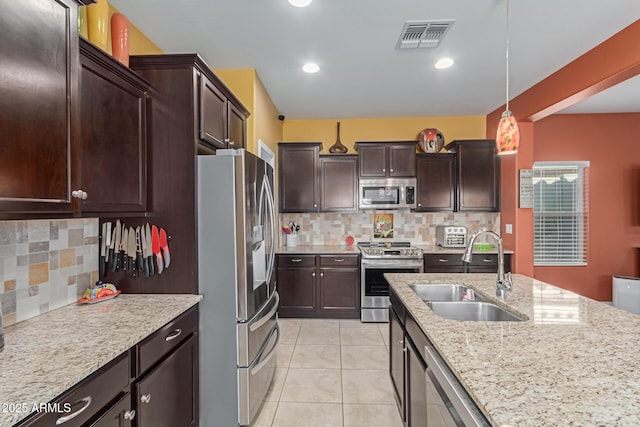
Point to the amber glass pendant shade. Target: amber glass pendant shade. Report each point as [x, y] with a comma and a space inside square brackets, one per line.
[508, 135]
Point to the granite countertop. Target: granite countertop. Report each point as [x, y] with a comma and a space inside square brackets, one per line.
[574, 362]
[435, 249]
[48, 354]
[319, 249]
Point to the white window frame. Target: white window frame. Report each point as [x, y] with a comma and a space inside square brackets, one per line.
[557, 242]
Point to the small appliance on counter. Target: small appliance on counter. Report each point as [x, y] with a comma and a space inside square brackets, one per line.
[451, 236]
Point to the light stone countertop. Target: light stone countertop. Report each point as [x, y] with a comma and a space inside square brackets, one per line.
[48, 354]
[435, 249]
[319, 249]
[574, 362]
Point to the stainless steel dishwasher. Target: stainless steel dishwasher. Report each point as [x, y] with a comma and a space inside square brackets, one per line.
[448, 403]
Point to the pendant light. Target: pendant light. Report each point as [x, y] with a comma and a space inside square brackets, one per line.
[508, 134]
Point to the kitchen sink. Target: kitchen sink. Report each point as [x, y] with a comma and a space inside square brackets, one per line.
[441, 292]
[472, 311]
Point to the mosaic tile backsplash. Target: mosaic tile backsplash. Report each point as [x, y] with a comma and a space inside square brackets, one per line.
[416, 228]
[45, 264]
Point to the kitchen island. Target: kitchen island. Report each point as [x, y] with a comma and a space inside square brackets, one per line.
[572, 361]
[48, 354]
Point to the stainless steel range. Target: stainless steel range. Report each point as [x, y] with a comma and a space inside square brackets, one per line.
[377, 259]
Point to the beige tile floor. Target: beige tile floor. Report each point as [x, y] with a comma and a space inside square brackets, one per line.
[331, 373]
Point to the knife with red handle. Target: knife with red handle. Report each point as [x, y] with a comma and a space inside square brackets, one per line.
[155, 248]
[164, 245]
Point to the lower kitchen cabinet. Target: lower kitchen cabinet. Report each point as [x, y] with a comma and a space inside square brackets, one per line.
[416, 387]
[397, 360]
[452, 263]
[319, 286]
[155, 383]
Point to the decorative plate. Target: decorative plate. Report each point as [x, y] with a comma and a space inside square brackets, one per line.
[95, 300]
[431, 140]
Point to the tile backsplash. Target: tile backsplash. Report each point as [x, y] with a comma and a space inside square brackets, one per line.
[45, 264]
[413, 227]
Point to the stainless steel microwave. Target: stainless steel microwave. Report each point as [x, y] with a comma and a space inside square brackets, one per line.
[387, 193]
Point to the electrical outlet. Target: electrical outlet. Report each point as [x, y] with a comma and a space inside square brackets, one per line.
[508, 228]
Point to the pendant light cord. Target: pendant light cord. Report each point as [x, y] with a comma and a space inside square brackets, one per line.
[507, 59]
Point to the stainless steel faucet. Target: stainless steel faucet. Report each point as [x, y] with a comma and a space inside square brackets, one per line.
[503, 282]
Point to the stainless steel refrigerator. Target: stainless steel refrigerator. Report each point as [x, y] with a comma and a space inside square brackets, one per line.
[238, 314]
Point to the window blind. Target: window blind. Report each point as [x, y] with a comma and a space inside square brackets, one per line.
[560, 213]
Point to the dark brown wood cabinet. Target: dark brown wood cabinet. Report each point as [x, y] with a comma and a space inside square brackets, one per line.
[478, 175]
[296, 284]
[38, 106]
[113, 137]
[397, 356]
[298, 176]
[339, 290]
[387, 159]
[452, 263]
[319, 286]
[436, 181]
[213, 113]
[338, 183]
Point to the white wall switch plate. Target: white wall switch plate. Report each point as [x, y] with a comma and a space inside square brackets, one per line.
[508, 228]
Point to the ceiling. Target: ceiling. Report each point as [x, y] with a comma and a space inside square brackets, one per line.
[362, 74]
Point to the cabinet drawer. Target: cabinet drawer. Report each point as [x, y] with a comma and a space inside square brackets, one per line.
[296, 260]
[443, 260]
[418, 337]
[87, 398]
[484, 260]
[339, 261]
[156, 346]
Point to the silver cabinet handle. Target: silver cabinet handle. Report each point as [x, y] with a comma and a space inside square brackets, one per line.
[313, 274]
[87, 402]
[391, 170]
[487, 260]
[173, 335]
[315, 205]
[443, 260]
[129, 415]
[321, 274]
[296, 260]
[339, 259]
[145, 398]
[384, 170]
[79, 194]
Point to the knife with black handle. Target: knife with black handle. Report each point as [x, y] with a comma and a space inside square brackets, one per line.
[131, 250]
[143, 248]
[116, 250]
[125, 247]
[139, 257]
[149, 252]
[103, 250]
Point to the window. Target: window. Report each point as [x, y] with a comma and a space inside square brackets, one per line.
[560, 213]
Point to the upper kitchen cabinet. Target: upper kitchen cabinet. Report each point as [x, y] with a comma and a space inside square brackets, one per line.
[478, 175]
[436, 182]
[221, 123]
[113, 134]
[297, 180]
[218, 117]
[387, 159]
[338, 183]
[38, 105]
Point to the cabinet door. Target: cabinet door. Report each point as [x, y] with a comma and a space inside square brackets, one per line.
[297, 289]
[436, 182]
[478, 176]
[373, 159]
[338, 184]
[38, 105]
[416, 388]
[212, 122]
[168, 395]
[339, 291]
[119, 415]
[236, 127]
[298, 169]
[443, 263]
[397, 360]
[402, 160]
[113, 135]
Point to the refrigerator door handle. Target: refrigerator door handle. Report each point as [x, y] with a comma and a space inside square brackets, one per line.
[262, 361]
[272, 227]
[264, 319]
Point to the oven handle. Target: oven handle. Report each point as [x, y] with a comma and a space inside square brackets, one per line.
[438, 373]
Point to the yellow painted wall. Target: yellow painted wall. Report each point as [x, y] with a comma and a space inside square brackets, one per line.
[381, 129]
[263, 122]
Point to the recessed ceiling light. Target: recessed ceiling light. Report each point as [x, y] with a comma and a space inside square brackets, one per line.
[310, 68]
[444, 63]
[300, 3]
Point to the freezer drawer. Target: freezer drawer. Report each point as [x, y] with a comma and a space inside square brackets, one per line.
[253, 335]
[254, 381]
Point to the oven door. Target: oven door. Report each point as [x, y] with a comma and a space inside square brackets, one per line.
[374, 288]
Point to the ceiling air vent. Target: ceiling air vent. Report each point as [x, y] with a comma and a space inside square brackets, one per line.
[421, 34]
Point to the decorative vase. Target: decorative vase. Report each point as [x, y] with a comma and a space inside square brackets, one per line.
[120, 38]
[82, 22]
[338, 147]
[431, 140]
[98, 16]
